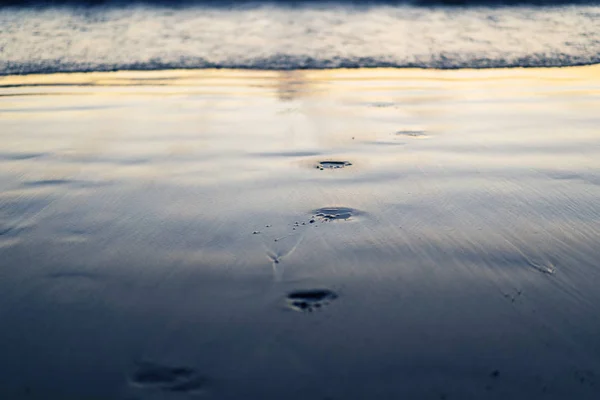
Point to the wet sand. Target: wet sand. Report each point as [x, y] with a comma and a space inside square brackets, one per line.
[346, 234]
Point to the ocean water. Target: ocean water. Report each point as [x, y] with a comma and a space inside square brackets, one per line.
[63, 36]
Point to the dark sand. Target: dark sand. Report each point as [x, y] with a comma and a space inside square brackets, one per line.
[367, 234]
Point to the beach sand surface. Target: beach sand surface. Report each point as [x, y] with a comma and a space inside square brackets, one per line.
[343, 234]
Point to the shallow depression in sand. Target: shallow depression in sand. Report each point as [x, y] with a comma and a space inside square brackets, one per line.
[336, 213]
[310, 300]
[149, 375]
[322, 165]
[411, 133]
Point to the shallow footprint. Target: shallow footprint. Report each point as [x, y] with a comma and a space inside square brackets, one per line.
[309, 300]
[411, 133]
[332, 164]
[48, 182]
[335, 213]
[174, 379]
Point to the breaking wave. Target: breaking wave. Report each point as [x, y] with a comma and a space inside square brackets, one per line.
[275, 36]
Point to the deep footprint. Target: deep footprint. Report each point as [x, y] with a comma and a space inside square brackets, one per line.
[332, 164]
[309, 300]
[174, 379]
[335, 213]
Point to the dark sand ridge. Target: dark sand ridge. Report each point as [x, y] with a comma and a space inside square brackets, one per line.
[459, 265]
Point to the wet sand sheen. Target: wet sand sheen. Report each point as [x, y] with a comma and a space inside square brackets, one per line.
[226, 235]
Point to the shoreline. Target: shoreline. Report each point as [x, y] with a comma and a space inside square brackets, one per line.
[591, 71]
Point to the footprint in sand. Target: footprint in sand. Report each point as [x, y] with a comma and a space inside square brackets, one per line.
[322, 165]
[48, 182]
[383, 104]
[310, 300]
[585, 377]
[149, 375]
[327, 214]
[411, 133]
